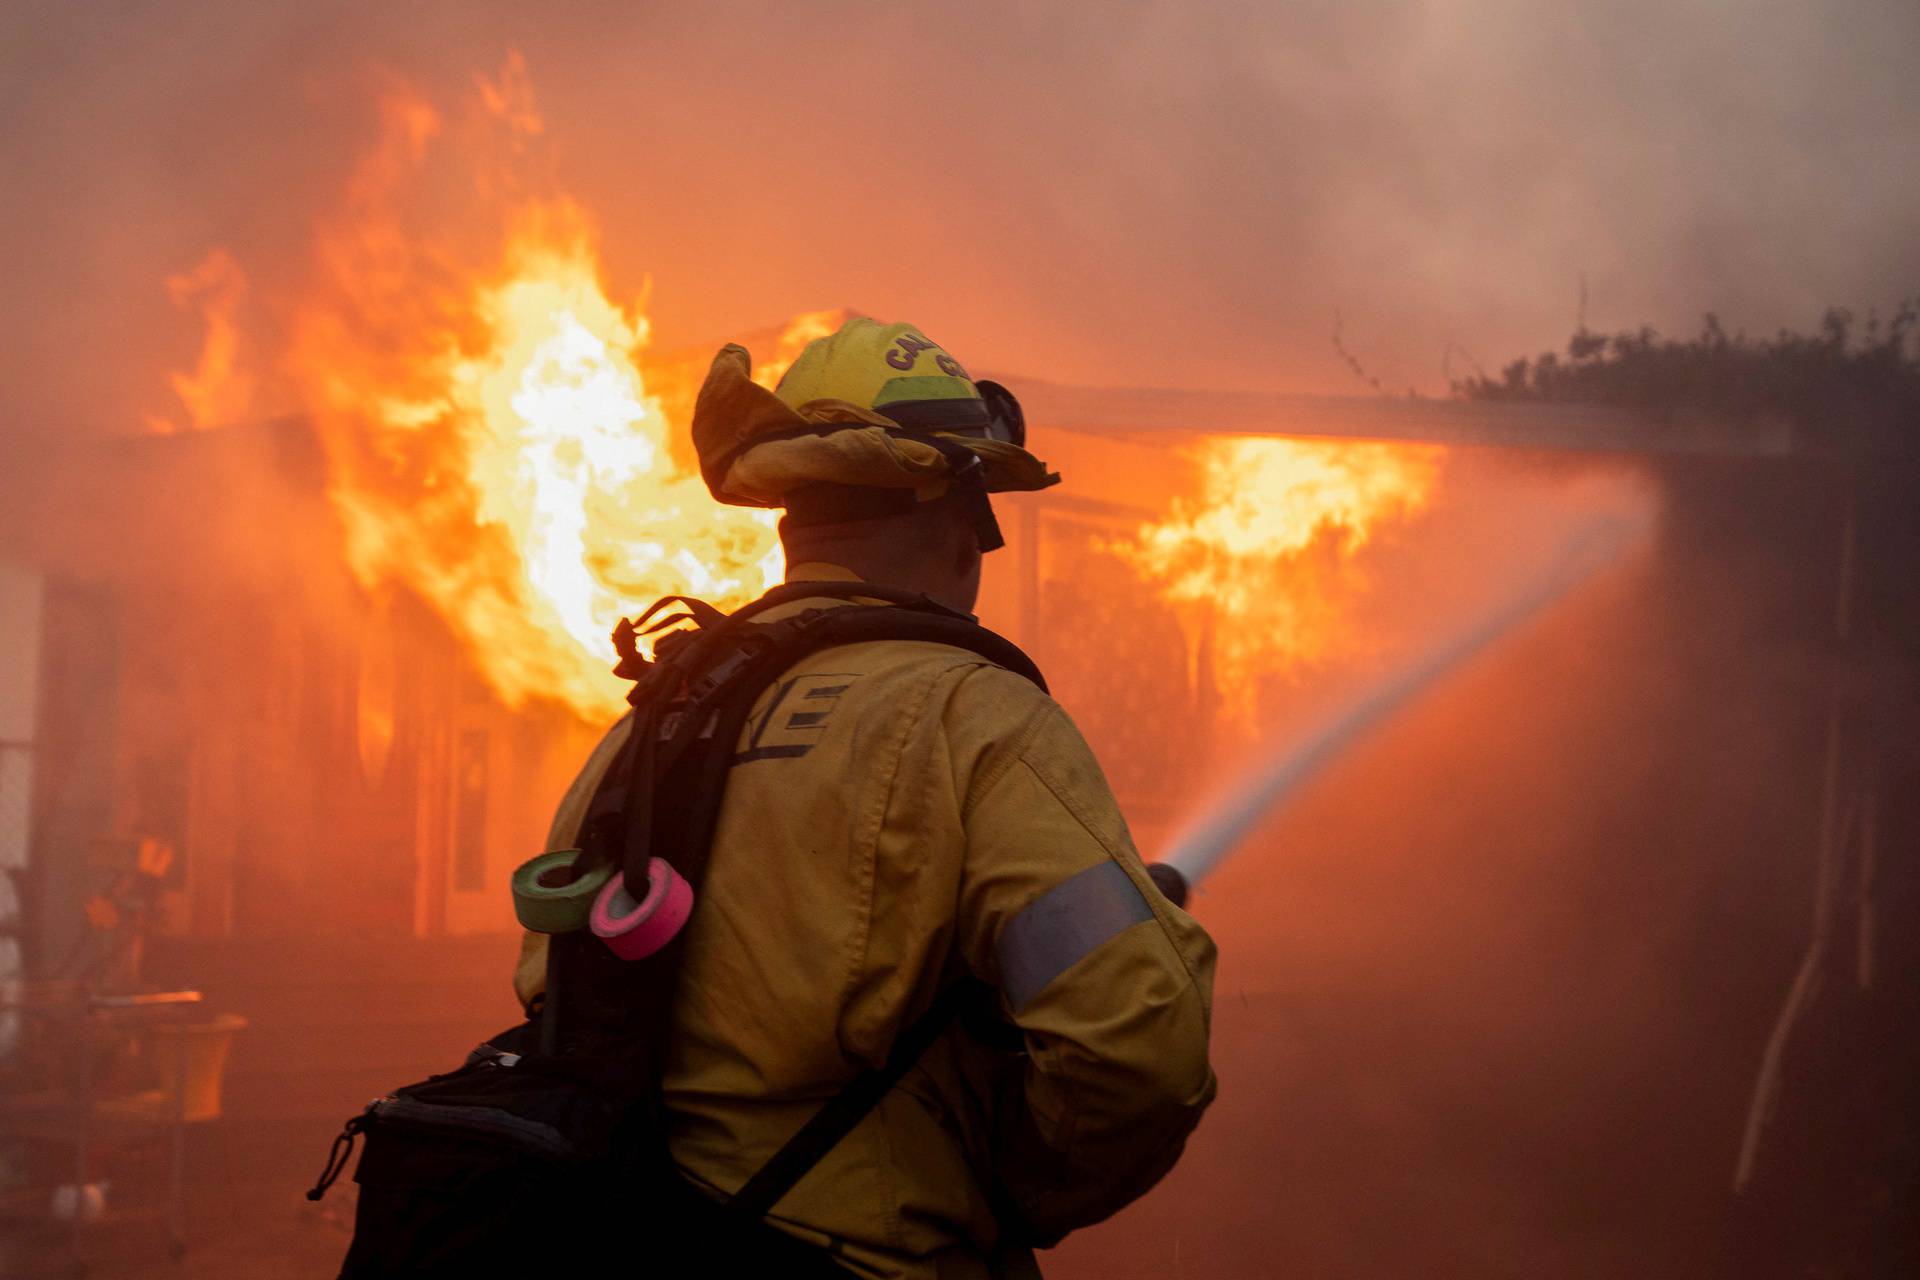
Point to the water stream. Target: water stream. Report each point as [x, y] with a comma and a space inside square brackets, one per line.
[1593, 543]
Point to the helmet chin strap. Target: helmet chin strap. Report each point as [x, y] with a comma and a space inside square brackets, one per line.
[968, 486]
[986, 525]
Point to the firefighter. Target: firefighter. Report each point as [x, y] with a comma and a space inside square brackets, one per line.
[900, 814]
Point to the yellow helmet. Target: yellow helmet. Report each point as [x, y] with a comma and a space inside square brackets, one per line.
[893, 369]
[872, 418]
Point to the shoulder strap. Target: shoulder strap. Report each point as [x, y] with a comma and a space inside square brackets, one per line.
[846, 1109]
[855, 625]
[842, 1113]
[720, 670]
[714, 677]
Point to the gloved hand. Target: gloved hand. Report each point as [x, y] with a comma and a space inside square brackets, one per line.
[1168, 880]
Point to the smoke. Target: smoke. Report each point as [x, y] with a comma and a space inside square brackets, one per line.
[1173, 194]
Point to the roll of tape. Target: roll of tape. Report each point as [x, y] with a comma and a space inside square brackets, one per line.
[635, 930]
[549, 898]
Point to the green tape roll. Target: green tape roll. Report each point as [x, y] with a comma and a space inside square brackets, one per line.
[546, 901]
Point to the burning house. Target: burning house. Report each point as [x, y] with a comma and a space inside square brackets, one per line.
[340, 647]
[348, 765]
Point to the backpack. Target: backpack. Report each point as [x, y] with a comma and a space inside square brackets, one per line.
[549, 1143]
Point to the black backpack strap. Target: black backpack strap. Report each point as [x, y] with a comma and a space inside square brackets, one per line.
[710, 679]
[907, 620]
[835, 589]
[846, 1109]
[854, 625]
[725, 668]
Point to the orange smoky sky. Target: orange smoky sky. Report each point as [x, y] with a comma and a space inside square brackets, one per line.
[1173, 194]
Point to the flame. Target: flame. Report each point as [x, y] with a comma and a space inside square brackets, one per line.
[800, 330]
[1263, 551]
[218, 391]
[496, 446]
[493, 445]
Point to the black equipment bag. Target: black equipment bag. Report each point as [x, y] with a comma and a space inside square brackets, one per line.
[552, 1130]
[517, 1164]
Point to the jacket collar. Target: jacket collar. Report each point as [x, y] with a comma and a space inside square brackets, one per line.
[821, 571]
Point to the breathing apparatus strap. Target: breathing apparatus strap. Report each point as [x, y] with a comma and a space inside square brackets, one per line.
[710, 677]
[842, 1113]
[970, 488]
[708, 683]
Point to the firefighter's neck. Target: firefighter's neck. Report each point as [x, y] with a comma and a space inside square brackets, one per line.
[932, 549]
[956, 590]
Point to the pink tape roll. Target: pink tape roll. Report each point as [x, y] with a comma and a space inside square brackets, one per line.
[635, 930]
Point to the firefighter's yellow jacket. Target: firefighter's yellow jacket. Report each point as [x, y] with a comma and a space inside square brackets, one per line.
[901, 814]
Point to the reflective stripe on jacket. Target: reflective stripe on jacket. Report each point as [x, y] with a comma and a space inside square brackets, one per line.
[901, 814]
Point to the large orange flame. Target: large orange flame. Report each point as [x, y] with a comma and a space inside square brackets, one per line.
[493, 444]
[496, 445]
[1264, 550]
[498, 451]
